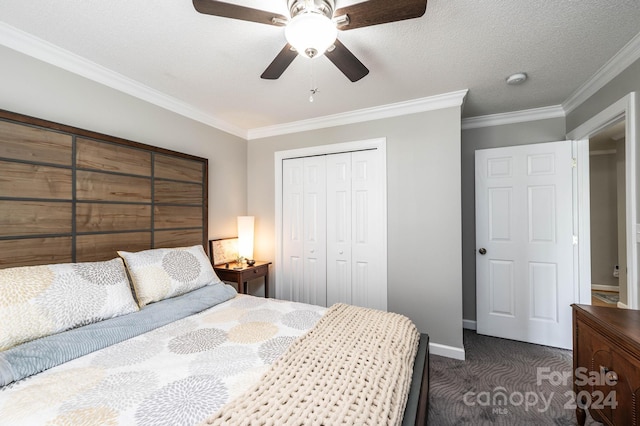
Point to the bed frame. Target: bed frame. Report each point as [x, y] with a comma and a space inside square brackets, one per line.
[73, 195]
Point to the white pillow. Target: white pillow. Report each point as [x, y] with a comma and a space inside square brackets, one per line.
[37, 301]
[159, 274]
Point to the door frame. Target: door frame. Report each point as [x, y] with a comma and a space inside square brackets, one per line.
[379, 144]
[623, 108]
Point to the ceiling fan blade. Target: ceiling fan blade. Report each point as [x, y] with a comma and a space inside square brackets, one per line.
[228, 10]
[346, 62]
[374, 12]
[280, 63]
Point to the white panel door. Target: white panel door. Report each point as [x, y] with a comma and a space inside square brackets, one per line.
[339, 228]
[314, 284]
[292, 229]
[369, 282]
[524, 240]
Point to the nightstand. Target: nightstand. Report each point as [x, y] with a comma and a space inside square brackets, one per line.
[226, 272]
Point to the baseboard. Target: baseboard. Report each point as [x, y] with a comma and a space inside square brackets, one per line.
[469, 324]
[622, 305]
[604, 287]
[446, 351]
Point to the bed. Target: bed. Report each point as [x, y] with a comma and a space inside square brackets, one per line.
[112, 314]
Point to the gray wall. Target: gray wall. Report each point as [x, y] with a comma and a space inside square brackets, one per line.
[549, 130]
[627, 81]
[423, 197]
[29, 86]
[621, 219]
[603, 183]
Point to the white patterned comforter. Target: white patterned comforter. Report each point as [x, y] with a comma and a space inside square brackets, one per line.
[178, 374]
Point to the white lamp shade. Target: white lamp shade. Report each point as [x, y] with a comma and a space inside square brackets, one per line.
[245, 236]
[311, 31]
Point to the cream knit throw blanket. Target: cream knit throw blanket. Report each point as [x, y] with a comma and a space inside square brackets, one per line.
[353, 368]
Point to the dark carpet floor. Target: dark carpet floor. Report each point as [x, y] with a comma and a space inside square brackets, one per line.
[502, 382]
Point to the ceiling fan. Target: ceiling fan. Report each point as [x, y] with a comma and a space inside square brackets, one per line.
[313, 25]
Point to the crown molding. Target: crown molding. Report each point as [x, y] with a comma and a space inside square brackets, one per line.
[522, 116]
[614, 66]
[40, 49]
[35, 47]
[446, 100]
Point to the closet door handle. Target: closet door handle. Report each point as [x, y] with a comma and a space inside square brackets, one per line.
[312, 251]
[340, 252]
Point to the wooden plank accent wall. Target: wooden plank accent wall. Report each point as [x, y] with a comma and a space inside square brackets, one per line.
[96, 247]
[168, 217]
[97, 217]
[176, 238]
[34, 144]
[177, 192]
[97, 186]
[112, 158]
[35, 181]
[35, 251]
[175, 168]
[34, 218]
[72, 195]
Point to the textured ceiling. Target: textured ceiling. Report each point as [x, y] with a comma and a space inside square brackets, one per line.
[213, 64]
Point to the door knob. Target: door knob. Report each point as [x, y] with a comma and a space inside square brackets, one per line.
[340, 252]
[483, 251]
[312, 251]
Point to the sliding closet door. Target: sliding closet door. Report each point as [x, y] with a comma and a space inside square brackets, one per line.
[304, 230]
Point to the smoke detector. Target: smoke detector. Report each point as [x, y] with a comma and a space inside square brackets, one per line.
[517, 78]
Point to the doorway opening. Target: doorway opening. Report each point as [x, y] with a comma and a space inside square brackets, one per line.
[607, 211]
[622, 111]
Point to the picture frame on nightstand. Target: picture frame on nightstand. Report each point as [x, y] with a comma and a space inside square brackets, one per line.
[223, 250]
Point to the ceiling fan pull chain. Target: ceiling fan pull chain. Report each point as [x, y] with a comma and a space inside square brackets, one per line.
[314, 89]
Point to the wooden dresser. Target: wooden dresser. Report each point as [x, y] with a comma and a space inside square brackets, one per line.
[606, 362]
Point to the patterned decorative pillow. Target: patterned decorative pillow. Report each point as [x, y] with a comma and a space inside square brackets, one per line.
[159, 274]
[37, 301]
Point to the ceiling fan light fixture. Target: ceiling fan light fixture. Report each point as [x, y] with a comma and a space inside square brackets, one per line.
[311, 33]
